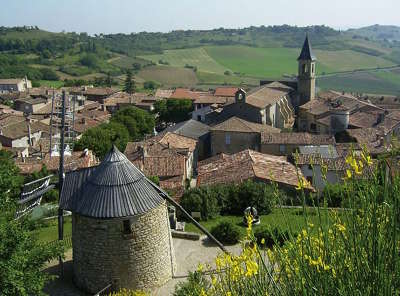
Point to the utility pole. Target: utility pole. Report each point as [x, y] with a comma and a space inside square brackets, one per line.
[61, 181]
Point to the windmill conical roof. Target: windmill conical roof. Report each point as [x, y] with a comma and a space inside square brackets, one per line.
[113, 189]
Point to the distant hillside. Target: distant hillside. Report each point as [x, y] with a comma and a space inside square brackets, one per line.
[204, 58]
[378, 32]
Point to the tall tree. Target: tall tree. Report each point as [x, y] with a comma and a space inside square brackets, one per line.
[138, 122]
[129, 86]
[100, 138]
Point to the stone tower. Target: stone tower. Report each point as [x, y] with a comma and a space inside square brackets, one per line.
[306, 76]
[120, 227]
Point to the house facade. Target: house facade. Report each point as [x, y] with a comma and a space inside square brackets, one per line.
[15, 85]
[237, 134]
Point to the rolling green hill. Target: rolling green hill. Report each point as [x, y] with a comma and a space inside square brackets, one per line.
[206, 57]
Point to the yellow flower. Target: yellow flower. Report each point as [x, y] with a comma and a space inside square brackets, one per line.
[348, 174]
[303, 183]
[340, 227]
[202, 292]
[228, 294]
[200, 268]
[263, 241]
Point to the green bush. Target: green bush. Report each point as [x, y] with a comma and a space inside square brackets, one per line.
[271, 236]
[226, 233]
[230, 199]
[201, 200]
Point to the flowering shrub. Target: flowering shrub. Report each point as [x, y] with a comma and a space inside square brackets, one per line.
[353, 251]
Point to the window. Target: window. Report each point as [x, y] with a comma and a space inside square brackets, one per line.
[282, 148]
[310, 167]
[198, 117]
[227, 139]
[304, 68]
[127, 229]
[312, 68]
[309, 179]
[313, 127]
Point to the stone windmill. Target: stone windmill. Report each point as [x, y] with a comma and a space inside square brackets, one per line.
[120, 227]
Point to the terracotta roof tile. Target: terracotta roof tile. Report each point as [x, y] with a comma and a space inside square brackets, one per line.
[225, 91]
[247, 164]
[297, 139]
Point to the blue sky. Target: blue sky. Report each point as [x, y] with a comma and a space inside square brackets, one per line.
[125, 16]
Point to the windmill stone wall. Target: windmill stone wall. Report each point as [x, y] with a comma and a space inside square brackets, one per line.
[104, 253]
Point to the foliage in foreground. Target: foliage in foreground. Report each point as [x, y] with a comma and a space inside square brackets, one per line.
[22, 258]
[125, 292]
[356, 252]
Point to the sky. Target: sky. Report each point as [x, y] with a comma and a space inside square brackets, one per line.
[126, 16]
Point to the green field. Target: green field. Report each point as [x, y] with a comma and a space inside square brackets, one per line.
[218, 79]
[198, 57]
[265, 62]
[374, 82]
[50, 83]
[169, 76]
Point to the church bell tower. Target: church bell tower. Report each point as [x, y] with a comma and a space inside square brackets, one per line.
[306, 76]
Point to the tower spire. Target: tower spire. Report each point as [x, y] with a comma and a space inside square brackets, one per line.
[306, 52]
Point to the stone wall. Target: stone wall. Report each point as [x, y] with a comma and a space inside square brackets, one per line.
[103, 252]
[238, 142]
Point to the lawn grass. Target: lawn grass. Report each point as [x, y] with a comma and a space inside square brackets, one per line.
[49, 231]
[282, 218]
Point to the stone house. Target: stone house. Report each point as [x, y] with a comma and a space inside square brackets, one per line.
[205, 104]
[248, 165]
[268, 104]
[169, 156]
[288, 143]
[15, 85]
[29, 105]
[236, 134]
[17, 132]
[333, 112]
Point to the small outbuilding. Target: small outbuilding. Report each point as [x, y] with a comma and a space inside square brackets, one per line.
[120, 227]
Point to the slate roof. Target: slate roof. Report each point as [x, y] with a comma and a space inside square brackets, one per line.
[297, 139]
[190, 128]
[114, 189]
[244, 165]
[306, 52]
[236, 124]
